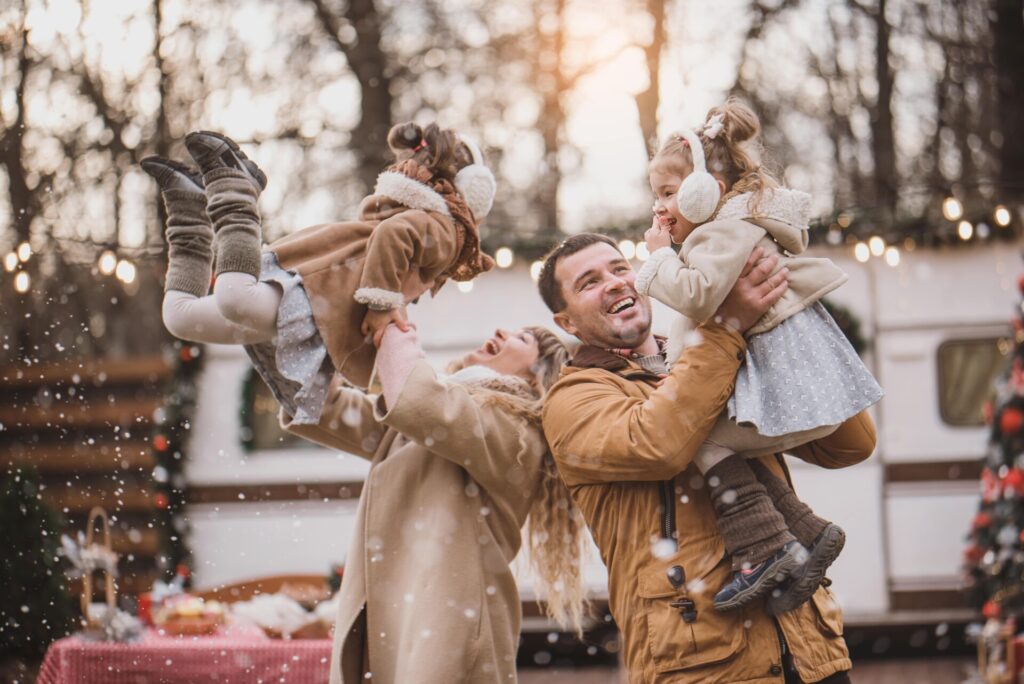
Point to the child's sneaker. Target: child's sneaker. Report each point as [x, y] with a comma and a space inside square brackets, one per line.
[215, 151]
[173, 175]
[805, 580]
[748, 585]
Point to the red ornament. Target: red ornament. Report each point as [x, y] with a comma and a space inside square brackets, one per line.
[990, 609]
[161, 500]
[1011, 421]
[182, 570]
[186, 354]
[160, 443]
[974, 553]
[990, 489]
[982, 520]
[1015, 480]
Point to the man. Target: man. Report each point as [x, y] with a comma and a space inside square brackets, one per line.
[623, 436]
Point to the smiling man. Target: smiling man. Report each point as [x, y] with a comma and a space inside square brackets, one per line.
[623, 429]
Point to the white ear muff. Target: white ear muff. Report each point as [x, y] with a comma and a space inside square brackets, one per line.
[699, 193]
[476, 183]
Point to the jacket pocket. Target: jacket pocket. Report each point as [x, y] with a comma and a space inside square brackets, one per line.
[674, 643]
[830, 614]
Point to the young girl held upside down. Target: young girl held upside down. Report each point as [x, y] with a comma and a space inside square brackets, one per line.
[318, 300]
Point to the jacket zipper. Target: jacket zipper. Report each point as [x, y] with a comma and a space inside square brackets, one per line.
[668, 512]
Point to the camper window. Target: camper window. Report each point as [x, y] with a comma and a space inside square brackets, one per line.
[967, 370]
[260, 428]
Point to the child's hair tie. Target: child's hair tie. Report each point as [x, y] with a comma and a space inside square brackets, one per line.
[421, 146]
[714, 126]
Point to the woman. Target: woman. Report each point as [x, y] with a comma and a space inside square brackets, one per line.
[457, 465]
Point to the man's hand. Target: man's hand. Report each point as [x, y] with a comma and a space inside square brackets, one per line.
[754, 292]
[657, 237]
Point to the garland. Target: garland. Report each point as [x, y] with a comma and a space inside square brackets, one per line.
[840, 227]
[170, 440]
[848, 323]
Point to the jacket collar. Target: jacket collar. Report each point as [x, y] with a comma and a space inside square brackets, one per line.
[410, 193]
[589, 356]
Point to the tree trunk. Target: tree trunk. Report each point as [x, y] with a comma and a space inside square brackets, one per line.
[648, 100]
[162, 144]
[1008, 53]
[553, 84]
[370, 65]
[883, 145]
[24, 203]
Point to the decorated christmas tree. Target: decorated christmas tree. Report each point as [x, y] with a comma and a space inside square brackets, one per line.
[35, 608]
[994, 557]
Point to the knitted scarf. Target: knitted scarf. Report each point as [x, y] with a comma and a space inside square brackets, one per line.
[470, 261]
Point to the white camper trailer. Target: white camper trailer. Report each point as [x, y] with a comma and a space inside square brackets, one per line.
[938, 326]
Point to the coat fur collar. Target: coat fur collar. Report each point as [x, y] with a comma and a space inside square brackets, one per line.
[783, 213]
[410, 193]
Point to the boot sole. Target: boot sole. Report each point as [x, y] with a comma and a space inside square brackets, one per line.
[184, 170]
[773, 576]
[806, 580]
[228, 144]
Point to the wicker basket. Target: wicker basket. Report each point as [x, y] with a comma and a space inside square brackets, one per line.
[93, 621]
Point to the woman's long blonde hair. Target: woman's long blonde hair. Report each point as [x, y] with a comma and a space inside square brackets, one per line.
[555, 531]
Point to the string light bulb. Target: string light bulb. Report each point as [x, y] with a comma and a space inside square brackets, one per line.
[952, 209]
[876, 245]
[24, 252]
[125, 271]
[11, 261]
[503, 257]
[22, 282]
[1001, 216]
[628, 248]
[642, 253]
[965, 230]
[892, 256]
[107, 262]
[535, 268]
[465, 286]
[861, 252]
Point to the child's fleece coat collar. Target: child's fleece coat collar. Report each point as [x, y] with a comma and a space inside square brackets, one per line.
[784, 213]
[411, 193]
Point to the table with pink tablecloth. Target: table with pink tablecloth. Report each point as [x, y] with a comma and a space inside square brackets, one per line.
[234, 654]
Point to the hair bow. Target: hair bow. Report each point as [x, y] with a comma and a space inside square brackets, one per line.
[714, 126]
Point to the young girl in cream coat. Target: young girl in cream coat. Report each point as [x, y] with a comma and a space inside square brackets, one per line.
[801, 378]
[316, 301]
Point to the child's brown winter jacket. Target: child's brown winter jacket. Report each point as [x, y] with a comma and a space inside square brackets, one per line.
[404, 244]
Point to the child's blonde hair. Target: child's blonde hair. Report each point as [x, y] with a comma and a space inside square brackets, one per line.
[734, 155]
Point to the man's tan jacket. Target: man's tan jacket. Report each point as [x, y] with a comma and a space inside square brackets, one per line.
[624, 446]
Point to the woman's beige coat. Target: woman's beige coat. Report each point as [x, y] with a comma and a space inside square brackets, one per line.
[427, 592]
